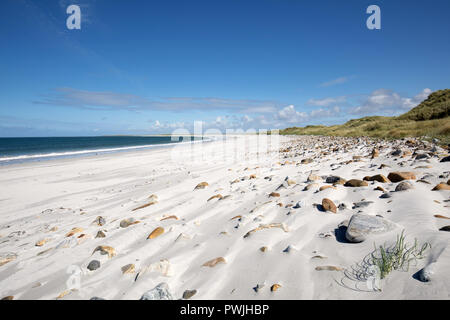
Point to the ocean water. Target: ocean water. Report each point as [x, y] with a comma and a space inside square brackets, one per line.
[14, 150]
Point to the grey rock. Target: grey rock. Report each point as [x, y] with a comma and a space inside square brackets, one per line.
[259, 286]
[93, 265]
[100, 234]
[281, 186]
[299, 204]
[425, 275]
[100, 221]
[422, 156]
[386, 195]
[189, 294]
[361, 225]
[160, 292]
[97, 298]
[403, 186]
[127, 222]
[333, 179]
[446, 159]
[362, 204]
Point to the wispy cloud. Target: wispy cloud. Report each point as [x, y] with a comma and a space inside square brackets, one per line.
[326, 102]
[105, 100]
[336, 81]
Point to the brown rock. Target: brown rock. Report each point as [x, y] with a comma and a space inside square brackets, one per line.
[379, 177]
[217, 196]
[128, 269]
[275, 287]
[8, 257]
[400, 176]
[40, 243]
[326, 187]
[169, 217]
[8, 298]
[441, 186]
[310, 186]
[290, 182]
[145, 205]
[375, 153]
[356, 183]
[274, 194]
[201, 185]
[156, 233]
[267, 226]
[313, 177]
[74, 231]
[110, 251]
[379, 189]
[329, 205]
[212, 263]
[441, 216]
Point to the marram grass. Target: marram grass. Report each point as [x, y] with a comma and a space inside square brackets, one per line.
[398, 256]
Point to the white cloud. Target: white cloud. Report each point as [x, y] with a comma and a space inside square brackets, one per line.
[384, 100]
[290, 115]
[326, 102]
[335, 81]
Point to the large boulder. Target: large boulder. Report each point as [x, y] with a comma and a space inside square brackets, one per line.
[361, 226]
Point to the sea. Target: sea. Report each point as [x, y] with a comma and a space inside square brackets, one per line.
[18, 150]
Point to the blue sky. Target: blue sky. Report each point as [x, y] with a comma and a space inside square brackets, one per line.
[141, 67]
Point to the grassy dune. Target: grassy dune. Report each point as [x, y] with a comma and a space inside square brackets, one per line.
[429, 119]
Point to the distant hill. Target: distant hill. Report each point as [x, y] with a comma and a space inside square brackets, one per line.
[436, 106]
[430, 118]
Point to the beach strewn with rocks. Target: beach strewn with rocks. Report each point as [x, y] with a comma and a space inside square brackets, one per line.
[301, 222]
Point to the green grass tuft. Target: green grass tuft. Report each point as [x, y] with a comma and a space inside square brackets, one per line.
[397, 257]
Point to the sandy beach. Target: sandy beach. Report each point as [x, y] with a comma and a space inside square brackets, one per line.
[115, 226]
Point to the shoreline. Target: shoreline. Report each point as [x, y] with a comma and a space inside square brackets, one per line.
[19, 159]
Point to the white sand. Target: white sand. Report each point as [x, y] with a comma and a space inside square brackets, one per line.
[35, 197]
